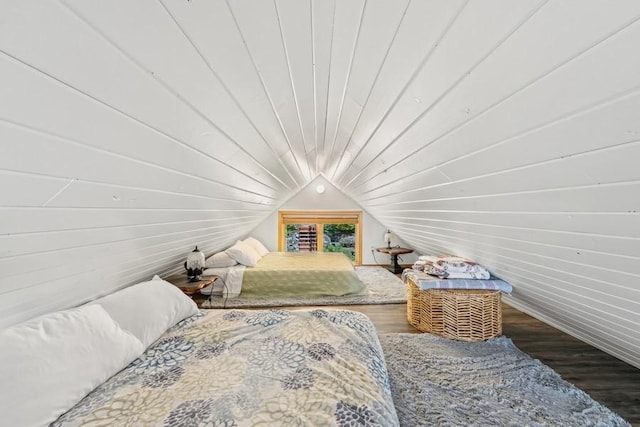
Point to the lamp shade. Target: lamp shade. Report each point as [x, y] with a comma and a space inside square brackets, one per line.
[387, 238]
[195, 260]
[194, 265]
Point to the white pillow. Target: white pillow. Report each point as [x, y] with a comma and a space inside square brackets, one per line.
[257, 245]
[244, 254]
[148, 309]
[48, 364]
[219, 260]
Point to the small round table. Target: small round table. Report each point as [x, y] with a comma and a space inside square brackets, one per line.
[394, 267]
[190, 288]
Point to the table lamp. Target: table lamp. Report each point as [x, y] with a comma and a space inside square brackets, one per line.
[387, 238]
[194, 265]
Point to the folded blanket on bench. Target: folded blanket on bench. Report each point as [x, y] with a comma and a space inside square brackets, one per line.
[425, 281]
[451, 267]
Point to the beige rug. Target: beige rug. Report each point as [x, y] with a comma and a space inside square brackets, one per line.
[441, 382]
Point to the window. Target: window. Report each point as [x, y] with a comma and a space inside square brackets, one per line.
[322, 231]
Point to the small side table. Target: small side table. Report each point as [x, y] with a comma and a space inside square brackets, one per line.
[190, 288]
[394, 267]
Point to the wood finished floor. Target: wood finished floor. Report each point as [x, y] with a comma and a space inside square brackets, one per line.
[606, 379]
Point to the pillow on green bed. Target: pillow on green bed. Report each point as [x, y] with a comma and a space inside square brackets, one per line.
[244, 254]
[257, 246]
[220, 260]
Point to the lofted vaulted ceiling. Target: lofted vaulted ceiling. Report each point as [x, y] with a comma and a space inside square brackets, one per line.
[506, 131]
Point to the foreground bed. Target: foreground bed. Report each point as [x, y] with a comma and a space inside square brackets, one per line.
[147, 356]
[259, 367]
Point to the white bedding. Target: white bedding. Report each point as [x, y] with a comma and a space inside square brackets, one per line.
[229, 284]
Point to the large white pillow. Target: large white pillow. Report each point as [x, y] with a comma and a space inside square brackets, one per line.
[219, 260]
[244, 254]
[148, 309]
[50, 363]
[257, 245]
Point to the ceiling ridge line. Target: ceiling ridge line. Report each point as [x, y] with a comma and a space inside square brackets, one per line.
[266, 92]
[451, 87]
[293, 88]
[326, 106]
[233, 98]
[314, 85]
[75, 142]
[366, 101]
[354, 46]
[173, 92]
[534, 81]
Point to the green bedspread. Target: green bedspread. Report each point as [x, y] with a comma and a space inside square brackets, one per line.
[302, 274]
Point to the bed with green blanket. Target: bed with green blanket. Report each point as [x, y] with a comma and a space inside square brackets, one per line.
[291, 274]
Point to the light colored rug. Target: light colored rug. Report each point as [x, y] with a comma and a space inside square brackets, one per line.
[440, 382]
[383, 288]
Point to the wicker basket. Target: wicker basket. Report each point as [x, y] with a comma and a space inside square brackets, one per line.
[465, 315]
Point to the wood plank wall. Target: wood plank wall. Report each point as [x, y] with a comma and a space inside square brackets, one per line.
[508, 132]
[533, 173]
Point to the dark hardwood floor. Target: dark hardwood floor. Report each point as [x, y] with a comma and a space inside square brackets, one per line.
[606, 379]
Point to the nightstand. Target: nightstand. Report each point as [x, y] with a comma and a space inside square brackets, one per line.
[394, 267]
[190, 288]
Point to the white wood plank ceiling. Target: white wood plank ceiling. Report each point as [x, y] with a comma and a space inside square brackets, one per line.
[505, 131]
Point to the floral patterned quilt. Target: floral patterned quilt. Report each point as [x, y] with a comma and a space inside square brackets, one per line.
[250, 368]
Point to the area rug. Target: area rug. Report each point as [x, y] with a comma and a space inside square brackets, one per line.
[383, 288]
[441, 382]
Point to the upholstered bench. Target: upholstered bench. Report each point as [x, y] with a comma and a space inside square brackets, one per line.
[460, 314]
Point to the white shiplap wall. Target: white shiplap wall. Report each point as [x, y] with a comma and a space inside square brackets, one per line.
[508, 132]
[525, 159]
